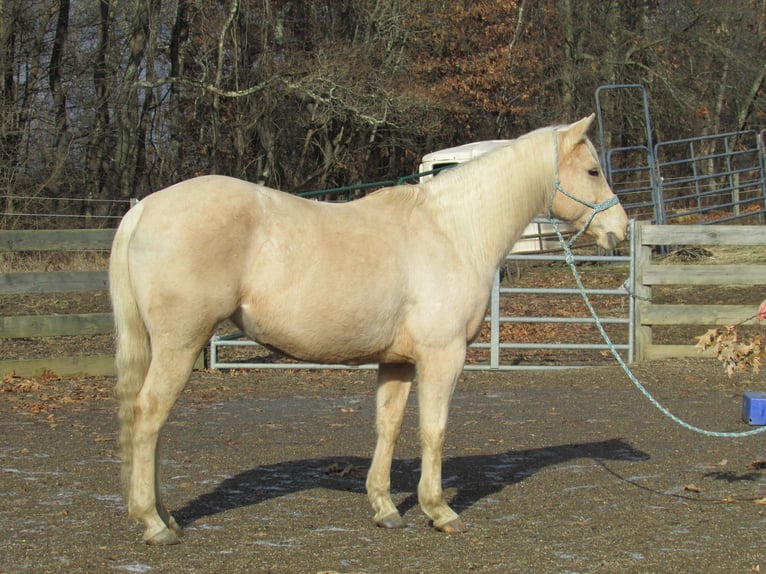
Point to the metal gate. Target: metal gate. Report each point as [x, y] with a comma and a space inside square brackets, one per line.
[631, 169]
[498, 343]
[711, 179]
[701, 180]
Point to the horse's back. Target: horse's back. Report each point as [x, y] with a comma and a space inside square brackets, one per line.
[222, 247]
[209, 198]
[324, 282]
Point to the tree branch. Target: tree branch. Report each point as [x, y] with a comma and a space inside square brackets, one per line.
[225, 30]
[145, 85]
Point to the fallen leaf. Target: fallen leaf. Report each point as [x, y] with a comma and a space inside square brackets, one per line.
[692, 488]
[762, 311]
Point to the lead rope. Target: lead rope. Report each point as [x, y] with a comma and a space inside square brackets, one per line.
[570, 260]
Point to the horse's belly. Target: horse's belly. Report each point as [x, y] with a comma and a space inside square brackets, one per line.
[324, 337]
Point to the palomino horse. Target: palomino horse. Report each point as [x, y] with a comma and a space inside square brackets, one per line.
[400, 278]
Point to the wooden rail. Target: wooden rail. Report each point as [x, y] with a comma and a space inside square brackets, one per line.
[650, 274]
[57, 240]
[43, 326]
[39, 326]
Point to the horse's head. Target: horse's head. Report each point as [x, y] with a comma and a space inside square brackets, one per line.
[582, 195]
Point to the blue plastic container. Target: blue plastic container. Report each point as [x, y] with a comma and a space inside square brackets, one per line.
[754, 408]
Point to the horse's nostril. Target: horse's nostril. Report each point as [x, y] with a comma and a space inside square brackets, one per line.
[612, 239]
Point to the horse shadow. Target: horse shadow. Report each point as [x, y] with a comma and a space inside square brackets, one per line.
[475, 477]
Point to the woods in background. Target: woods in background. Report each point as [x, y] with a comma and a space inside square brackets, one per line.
[103, 100]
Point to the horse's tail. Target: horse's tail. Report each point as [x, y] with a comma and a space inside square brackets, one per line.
[132, 346]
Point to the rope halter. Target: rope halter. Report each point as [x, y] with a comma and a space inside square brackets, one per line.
[596, 208]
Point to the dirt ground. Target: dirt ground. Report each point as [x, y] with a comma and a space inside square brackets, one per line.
[556, 471]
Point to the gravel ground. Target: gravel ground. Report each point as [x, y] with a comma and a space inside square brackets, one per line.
[557, 471]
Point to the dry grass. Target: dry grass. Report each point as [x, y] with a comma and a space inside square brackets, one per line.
[738, 254]
[715, 255]
[28, 261]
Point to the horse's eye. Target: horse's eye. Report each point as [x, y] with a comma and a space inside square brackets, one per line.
[593, 172]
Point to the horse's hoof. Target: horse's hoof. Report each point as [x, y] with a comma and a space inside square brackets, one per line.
[454, 526]
[391, 521]
[165, 537]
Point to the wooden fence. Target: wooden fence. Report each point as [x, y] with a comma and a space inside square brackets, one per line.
[32, 326]
[652, 273]
[649, 273]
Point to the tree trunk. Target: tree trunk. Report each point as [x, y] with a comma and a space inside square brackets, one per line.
[99, 152]
[215, 117]
[178, 39]
[8, 127]
[568, 64]
[127, 109]
[54, 76]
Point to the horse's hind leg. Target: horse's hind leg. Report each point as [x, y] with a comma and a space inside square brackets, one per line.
[167, 376]
[162, 510]
[394, 381]
[436, 381]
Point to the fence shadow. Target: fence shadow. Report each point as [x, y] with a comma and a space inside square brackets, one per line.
[475, 476]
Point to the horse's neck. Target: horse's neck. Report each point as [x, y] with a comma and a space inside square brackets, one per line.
[485, 205]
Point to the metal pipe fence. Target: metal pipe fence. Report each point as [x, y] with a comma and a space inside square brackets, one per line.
[711, 179]
[499, 343]
[703, 180]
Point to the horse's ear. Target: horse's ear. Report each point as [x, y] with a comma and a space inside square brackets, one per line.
[575, 133]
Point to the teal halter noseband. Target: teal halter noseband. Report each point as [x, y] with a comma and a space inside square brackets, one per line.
[557, 187]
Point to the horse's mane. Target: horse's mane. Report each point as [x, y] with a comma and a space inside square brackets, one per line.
[496, 163]
[488, 168]
[502, 189]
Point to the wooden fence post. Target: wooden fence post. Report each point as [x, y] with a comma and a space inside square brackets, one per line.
[642, 292]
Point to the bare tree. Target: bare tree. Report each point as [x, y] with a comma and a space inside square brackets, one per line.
[111, 100]
[178, 40]
[97, 163]
[127, 121]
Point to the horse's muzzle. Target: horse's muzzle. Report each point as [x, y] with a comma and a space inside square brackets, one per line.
[612, 240]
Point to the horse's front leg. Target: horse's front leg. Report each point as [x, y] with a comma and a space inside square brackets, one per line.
[436, 382]
[394, 382]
